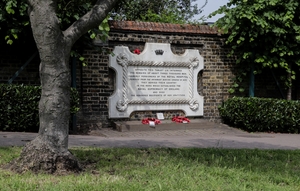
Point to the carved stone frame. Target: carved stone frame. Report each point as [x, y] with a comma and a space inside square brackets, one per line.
[121, 106]
[124, 62]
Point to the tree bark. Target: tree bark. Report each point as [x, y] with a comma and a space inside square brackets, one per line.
[289, 90]
[48, 152]
[289, 93]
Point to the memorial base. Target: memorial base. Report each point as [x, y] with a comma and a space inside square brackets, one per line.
[124, 126]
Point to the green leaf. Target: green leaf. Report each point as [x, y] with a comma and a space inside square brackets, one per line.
[93, 36]
[15, 36]
[76, 16]
[26, 23]
[10, 42]
[9, 10]
[293, 77]
[231, 91]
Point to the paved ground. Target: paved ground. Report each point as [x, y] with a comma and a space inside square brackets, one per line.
[218, 136]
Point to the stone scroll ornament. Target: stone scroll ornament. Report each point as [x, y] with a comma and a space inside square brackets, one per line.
[155, 79]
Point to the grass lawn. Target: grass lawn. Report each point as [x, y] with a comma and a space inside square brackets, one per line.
[166, 169]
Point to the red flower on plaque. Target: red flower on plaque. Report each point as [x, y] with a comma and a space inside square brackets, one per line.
[137, 51]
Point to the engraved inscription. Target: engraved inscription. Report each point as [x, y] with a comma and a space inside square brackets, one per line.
[157, 83]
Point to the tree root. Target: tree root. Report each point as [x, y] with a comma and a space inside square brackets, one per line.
[42, 158]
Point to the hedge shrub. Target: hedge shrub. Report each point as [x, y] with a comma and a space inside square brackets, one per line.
[262, 114]
[19, 107]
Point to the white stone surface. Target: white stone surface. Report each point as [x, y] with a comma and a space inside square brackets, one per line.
[160, 116]
[155, 80]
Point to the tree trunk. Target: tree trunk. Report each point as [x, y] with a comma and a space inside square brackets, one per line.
[289, 78]
[289, 93]
[48, 152]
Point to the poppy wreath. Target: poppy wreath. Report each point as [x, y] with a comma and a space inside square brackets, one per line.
[180, 119]
[147, 121]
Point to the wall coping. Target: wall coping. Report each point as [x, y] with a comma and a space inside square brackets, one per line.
[163, 27]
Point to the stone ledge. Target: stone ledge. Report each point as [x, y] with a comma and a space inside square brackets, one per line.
[133, 126]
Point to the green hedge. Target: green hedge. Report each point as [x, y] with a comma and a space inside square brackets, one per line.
[262, 114]
[19, 107]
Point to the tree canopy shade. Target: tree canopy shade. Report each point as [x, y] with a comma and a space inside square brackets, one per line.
[14, 20]
[265, 33]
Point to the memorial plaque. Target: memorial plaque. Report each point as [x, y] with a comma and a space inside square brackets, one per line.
[156, 80]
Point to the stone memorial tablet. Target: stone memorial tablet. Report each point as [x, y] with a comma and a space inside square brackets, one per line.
[156, 80]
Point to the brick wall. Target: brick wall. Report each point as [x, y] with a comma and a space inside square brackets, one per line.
[95, 81]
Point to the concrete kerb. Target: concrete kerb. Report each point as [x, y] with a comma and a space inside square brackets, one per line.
[218, 136]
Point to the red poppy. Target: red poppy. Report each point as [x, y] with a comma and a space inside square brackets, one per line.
[137, 51]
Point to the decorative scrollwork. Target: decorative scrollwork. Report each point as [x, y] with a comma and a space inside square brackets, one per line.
[159, 52]
[178, 101]
[194, 105]
[122, 105]
[190, 80]
[194, 62]
[122, 60]
[156, 63]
